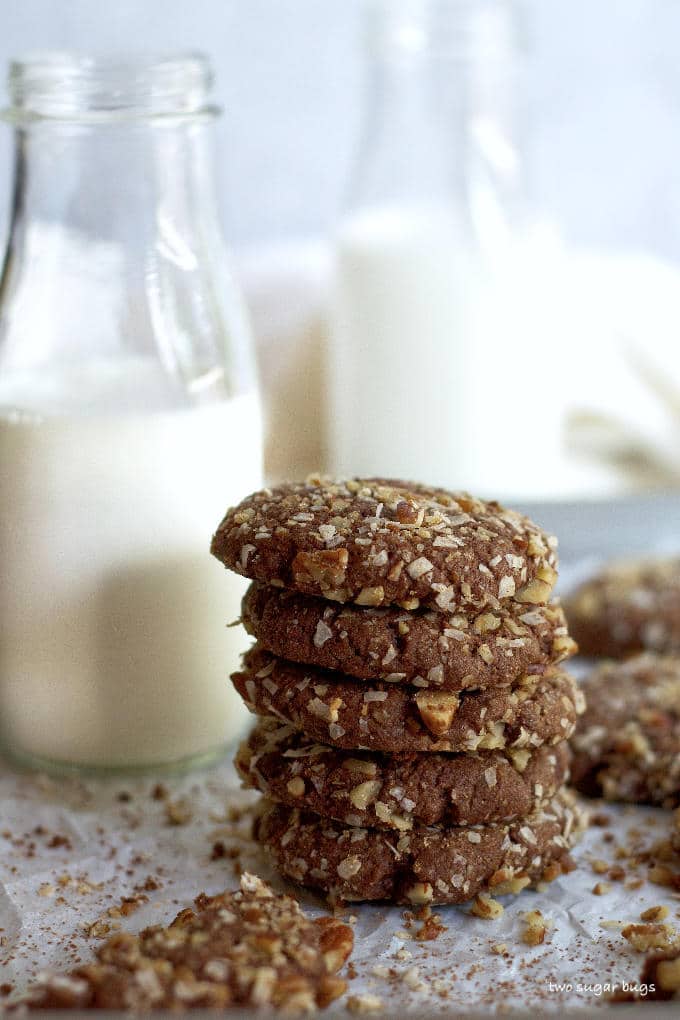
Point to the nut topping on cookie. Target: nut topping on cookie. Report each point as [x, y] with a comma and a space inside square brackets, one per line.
[378, 542]
[249, 947]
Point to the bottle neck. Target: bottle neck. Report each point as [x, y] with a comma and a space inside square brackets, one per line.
[110, 152]
[116, 254]
[441, 125]
[413, 143]
[115, 180]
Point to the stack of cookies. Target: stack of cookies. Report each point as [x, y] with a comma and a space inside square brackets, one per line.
[413, 719]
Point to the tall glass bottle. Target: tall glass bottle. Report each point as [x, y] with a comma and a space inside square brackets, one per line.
[129, 419]
[436, 184]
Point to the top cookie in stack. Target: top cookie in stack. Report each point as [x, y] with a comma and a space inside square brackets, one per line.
[404, 621]
[480, 575]
[375, 543]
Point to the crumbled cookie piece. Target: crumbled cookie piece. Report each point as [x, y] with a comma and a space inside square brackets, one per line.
[249, 947]
[378, 542]
[338, 710]
[454, 650]
[397, 792]
[631, 606]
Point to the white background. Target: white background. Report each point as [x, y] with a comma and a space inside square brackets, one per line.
[603, 110]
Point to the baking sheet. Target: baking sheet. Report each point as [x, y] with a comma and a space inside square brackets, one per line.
[72, 850]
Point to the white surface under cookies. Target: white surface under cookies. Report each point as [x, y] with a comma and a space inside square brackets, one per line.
[71, 850]
[52, 896]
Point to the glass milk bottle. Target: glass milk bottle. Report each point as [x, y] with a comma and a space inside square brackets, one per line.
[129, 420]
[409, 261]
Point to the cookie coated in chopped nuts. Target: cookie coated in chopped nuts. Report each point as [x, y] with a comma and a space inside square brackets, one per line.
[462, 648]
[627, 743]
[244, 948]
[380, 542]
[398, 792]
[661, 975]
[428, 865]
[630, 606]
[341, 711]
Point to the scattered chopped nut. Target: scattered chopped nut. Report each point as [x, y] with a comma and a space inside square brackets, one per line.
[601, 888]
[485, 906]
[364, 1004]
[177, 812]
[413, 980]
[655, 914]
[644, 937]
[536, 928]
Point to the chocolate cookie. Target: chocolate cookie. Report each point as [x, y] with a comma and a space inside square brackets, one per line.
[451, 651]
[627, 744]
[428, 865]
[661, 976]
[245, 948]
[628, 607]
[398, 791]
[338, 710]
[378, 542]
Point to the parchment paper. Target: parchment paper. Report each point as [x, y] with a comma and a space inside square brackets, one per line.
[71, 850]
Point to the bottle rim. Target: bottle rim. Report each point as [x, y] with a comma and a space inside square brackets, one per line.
[62, 85]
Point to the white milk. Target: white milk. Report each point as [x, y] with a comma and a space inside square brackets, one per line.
[399, 364]
[448, 367]
[114, 649]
